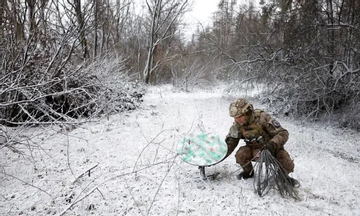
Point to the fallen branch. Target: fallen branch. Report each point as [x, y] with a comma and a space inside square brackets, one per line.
[83, 173]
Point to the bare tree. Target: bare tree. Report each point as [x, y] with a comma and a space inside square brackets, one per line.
[76, 4]
[164, 16]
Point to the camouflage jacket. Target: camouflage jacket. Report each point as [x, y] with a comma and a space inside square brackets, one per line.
[263, 130]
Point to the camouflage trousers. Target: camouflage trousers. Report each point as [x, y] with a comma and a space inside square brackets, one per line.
[246, 154]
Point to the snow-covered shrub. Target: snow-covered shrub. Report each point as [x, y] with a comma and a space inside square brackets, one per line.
[118, 91]
[350, 116]
[92, 89]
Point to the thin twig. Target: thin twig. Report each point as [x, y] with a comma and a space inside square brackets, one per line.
[28, 184]
[162, 181]
[68, 155]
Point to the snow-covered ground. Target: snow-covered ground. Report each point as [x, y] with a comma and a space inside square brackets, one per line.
[127, 165]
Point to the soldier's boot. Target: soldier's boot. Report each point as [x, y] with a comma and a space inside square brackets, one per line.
[243, 158]
[295, 183]
[245, 175]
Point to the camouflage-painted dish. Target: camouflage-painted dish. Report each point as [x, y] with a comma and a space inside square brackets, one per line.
[202, 149]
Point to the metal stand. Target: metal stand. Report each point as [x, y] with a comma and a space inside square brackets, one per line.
[202, 172]
[209, 177]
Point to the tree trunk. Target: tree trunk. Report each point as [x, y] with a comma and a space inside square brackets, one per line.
[95, 27]
[331, 35]
[32, 21]
[81, 23]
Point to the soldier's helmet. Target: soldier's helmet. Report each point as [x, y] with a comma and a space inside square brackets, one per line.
[240, 107]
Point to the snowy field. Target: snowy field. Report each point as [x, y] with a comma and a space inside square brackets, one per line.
[127, 165]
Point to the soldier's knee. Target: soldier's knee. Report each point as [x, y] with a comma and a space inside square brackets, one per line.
[243, 155]
[286, 162]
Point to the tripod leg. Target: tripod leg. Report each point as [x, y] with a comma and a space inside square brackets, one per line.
[202, 172]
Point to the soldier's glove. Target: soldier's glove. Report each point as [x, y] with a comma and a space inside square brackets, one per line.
[271, 147]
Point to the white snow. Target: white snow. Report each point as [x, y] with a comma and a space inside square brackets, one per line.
[137, 172]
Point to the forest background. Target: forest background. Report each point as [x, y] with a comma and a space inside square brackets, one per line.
[67, 67]
[68, 59]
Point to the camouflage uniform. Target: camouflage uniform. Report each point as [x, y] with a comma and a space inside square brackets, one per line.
[259, 129]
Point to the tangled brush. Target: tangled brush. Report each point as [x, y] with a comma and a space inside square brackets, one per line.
[270, 174]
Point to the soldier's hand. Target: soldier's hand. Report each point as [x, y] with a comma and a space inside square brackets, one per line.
[271, 147]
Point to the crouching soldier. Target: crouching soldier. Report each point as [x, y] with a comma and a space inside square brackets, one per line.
[259, 131]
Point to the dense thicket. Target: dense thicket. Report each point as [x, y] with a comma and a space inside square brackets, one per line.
[306, 52]
[58, 65]
[53, 53]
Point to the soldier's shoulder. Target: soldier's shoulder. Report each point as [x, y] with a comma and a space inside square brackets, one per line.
[261, 113]
[263, 117]
[258, 111]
